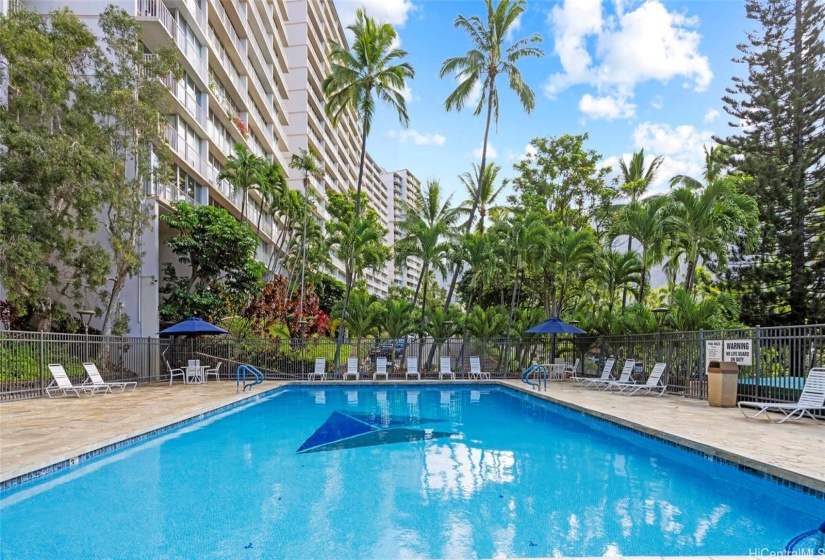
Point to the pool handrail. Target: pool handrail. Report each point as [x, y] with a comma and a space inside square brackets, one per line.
[244, 369]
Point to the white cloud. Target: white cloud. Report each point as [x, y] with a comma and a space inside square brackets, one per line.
[491, 151]
[407, 93]
[616, 53]
[391, 11]
[510, 155]
[419, 139]
[711, 115]
[606, 107]
[657, 102]
[682, 148]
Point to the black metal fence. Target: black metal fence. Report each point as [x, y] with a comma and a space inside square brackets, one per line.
[778, 361]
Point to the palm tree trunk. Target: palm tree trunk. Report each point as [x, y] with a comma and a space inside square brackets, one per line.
[337, 359]
[624, 290]
[361, 165]
[423, 317]
[466, 318]
[458, 265]
[510, 318]
[691, 270]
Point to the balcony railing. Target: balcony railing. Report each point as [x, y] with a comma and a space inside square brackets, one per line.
[229, 68]
[157, 9]
[199, 16]
[186, 152]
[16, 6]
[230, 29]
[219, 139]
[169, 192]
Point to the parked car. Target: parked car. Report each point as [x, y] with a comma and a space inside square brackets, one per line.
[388, 347]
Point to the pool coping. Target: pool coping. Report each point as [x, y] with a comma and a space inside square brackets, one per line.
[766, 471]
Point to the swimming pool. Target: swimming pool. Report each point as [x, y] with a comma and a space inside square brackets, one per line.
[398, 472]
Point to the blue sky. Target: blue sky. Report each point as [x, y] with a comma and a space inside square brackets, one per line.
[633, 74]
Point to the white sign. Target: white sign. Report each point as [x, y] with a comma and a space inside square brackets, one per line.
[739, 351]
[713, 351]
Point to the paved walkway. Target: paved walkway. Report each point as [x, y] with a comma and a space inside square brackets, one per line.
[42, 432]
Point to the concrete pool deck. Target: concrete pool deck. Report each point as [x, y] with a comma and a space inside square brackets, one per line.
[38, 433]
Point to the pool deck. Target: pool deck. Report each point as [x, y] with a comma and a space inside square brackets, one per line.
[38, 433]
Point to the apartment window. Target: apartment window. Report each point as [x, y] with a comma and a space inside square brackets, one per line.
[223, 135]
[187, 134]
[187, 184]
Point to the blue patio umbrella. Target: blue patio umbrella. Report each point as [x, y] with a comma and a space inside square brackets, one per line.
[192, 326]
[555, 326]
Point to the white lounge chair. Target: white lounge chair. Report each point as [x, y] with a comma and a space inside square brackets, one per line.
[607, 374]
[216, 371]
[812, 399]
[445, 368]
[175, 372]
[412, 368]
[61, 385]
[380, 369]
[352, 369]
[475, 368]
[320, 369]
[654, 383]
[96, 380]
[625, 378]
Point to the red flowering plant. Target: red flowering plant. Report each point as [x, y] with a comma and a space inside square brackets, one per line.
[244, 130]
[276, 305]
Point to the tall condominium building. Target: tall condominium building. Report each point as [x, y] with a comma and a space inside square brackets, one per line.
[404, 189]
[252, 75]
[309, 26]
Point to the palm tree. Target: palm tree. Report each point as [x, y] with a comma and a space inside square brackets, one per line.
[488, 193]
[711, 313]
[644, 222]
[305, 161]
[476, 249]
[271, 182]
[614, 271]
[242, 172]
[482, 64]
[428, 230]
[569, 251]
[359, 244]
[704, 219]
[486, 323]
[636, 179]
[362, 316]
[397, 320]
[359, 76]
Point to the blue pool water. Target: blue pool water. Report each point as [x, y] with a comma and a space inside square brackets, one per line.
[399, 472]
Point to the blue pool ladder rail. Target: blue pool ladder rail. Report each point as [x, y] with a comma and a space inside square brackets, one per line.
[541, 373]
[789, 548]
[242, 370]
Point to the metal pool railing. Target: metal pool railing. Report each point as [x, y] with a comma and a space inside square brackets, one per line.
[780, 357]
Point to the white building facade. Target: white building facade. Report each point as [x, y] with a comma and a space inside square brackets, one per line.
[252, 74]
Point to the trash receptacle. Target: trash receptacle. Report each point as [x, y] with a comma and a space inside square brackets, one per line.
[723, 379]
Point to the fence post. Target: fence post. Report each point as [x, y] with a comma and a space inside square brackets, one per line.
[702, 360]
[42, 357]
[758, 371]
